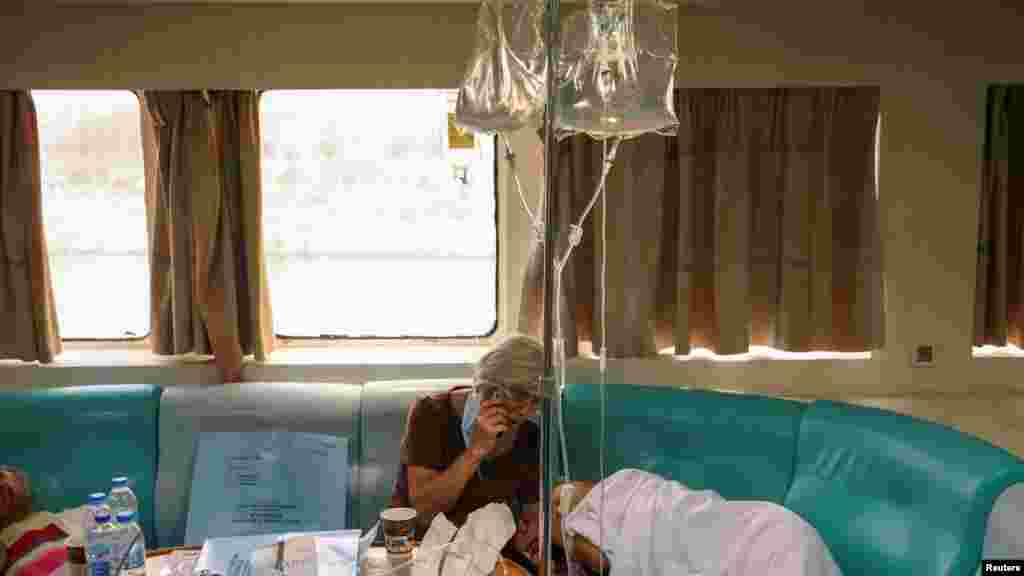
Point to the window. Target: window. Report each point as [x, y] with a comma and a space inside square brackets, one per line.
[377, 223]
[999, 278]
[94, 212]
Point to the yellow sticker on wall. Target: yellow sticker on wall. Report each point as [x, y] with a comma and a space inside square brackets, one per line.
[457, 137]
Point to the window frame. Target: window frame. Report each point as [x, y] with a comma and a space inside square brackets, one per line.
[133, 341]
[298, 341]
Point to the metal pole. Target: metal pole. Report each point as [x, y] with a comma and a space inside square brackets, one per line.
[551, 26]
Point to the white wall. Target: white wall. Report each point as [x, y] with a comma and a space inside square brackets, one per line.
[931, 61]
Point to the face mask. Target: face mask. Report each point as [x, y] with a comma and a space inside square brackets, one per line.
[469, 415]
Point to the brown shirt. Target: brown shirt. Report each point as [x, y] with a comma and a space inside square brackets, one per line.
[433, 439]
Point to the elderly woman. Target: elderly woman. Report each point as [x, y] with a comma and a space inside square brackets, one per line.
[469, 446]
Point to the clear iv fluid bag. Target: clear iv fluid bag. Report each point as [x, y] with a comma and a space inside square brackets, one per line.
[504, 88]
[617, 70]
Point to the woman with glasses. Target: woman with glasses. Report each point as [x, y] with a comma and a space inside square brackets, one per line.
[469, 446]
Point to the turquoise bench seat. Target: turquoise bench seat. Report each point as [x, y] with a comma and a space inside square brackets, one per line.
[889, 494]
[312, 407]
[892, 494]
[742, 446]
[74, 440]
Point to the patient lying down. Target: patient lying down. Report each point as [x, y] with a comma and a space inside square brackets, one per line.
[653, 526]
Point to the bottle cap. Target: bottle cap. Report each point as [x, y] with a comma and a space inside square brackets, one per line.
[125, 516]
[120, 481]
[103, 518]
[97, 498]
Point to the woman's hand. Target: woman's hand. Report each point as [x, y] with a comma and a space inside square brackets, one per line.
[494, 419]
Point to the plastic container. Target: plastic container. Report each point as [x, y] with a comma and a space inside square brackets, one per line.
[101, 546]
[131, 549]
[122, 499]
[97, 503]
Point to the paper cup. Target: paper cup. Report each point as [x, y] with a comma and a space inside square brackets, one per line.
[398, 525]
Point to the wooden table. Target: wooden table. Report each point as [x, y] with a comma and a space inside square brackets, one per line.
[163, 551]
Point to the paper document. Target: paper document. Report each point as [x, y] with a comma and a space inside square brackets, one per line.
[337, 553]
[267, 482]
[177, 563]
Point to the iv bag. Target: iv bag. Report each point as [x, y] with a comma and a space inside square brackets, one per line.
[505, 83]
[617, 70]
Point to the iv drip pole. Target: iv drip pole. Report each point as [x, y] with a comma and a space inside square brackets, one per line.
[551, 28]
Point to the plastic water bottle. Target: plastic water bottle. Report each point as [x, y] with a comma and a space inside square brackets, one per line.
[122, 498]
[131, 554]
[101, 543]
[97, 503]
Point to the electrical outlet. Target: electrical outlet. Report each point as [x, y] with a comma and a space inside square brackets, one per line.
[923, 355]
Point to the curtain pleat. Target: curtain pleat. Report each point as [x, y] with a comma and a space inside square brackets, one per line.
[757, 224]
[999, 290]
[204, 208]
[28, 312]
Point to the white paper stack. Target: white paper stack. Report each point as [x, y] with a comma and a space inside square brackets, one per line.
[329, 553]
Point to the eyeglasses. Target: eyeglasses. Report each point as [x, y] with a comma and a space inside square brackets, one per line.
[512, 395]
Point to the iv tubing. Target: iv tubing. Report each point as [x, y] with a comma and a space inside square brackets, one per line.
[604, 348]
[575, 236]
[535, 220]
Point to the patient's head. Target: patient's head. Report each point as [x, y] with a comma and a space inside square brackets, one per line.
[527, 540]
[15, 496]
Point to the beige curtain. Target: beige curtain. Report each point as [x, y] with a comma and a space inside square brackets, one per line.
[204, 215]
[999, 291]
[757, 224]
[28, 314]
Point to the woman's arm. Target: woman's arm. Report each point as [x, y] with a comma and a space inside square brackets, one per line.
[583, 550]
[430, 491]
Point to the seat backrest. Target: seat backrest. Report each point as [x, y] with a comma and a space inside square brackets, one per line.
[892, 494]
[741, 446]
[72, 441]
[385, 406]
[315, 407]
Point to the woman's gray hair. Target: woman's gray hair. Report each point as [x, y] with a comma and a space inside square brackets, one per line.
[516, 363]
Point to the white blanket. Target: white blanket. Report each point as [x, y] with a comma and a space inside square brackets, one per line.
[654, 527]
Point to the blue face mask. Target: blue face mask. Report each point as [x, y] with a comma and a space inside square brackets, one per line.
[472, 410]
[469, 416]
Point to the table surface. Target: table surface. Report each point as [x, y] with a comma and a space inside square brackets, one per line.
[379, 562]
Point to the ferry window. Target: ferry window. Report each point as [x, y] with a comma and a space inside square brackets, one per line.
[378, 220]
[94, 212]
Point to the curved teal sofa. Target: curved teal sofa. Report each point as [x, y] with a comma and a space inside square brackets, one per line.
[890, 494]
[73, 441]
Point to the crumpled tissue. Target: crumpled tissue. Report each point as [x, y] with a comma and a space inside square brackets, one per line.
[479, 542]
[428, 553]
[476, 548]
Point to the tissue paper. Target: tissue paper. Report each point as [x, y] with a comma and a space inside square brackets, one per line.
[480, 540]
[429, 554]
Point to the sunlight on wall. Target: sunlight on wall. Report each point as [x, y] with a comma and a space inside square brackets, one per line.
[989, 351]
[766, 353]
